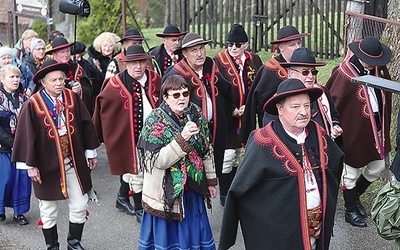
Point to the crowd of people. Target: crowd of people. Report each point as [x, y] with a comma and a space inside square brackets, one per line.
[176, 124]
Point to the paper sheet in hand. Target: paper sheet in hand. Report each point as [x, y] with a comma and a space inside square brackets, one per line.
[379, 83]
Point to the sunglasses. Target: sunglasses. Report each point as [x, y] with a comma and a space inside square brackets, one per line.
[305, 72]
[238, 45]
[177, 95]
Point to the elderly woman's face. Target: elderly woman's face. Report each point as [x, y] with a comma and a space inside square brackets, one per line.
[53, 82]
[5, 60]
[10, 81]
[39, 51]
[107, 48]
[177, 100]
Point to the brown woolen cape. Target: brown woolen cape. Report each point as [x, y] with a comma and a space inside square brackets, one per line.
[114, 121]
[36, 143]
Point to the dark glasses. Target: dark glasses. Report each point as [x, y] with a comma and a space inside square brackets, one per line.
[238, 45]
[305, 72]
[177, 95]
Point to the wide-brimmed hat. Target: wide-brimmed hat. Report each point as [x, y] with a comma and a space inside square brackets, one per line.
[133, 34]
[79, 47]
[59, 43]
[49, 66]
[290, 87]
[171, 31]
[288, 33]
[371, 51]
[302, 57]
[237, 34]
[135, 52]
[191, 39]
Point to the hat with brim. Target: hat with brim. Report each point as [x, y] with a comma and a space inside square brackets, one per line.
[59, 43]
[78, 48]
[48, 66]
[290, 87]
[190, 40]
[371, 51]
[135, 52]
[133, 34]
[303, 57]
[171, 31]
[288, 33]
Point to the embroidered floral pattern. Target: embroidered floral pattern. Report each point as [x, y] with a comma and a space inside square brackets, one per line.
[158, 130]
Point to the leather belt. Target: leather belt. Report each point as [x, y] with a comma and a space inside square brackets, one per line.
[65, 148]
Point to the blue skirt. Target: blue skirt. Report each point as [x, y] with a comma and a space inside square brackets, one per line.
[194, 232]
[15, 186]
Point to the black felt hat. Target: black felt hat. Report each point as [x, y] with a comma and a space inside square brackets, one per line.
[59, 43]
[132, 34]
[288, 33]
[135, 52]
[49, 66]
[302, 57]
[290, 87]
[79, 47]
[191, 39]
[171, 31]
[237, 34]
[371, 51]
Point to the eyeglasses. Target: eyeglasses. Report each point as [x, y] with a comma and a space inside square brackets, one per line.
[238, 45]
[40, 49]
[305, 72]
[177, 95]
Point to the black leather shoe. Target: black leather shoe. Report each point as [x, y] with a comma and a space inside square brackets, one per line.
[355, 219]
[74, 244]
[124, 205]
[139, 214]
[2, 217]
[20, 220]
[360, 207]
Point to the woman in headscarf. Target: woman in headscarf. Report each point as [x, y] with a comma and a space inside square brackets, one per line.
[179, 174]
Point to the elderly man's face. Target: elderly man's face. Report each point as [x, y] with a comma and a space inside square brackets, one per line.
[136, 69]
[127, 43]
[235, 51]
[196, 56]
[366, 65]
[53, 83]
[287, 48]
[307, 75]
[294, 113]
[62, 55]
[171, 43]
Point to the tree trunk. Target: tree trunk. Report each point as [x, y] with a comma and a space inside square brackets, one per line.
[353, 31]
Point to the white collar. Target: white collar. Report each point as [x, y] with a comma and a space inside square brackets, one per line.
[301, 138]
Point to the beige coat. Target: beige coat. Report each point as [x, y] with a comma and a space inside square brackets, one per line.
[153, 192]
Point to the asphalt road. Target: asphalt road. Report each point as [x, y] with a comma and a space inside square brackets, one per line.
[109, 229]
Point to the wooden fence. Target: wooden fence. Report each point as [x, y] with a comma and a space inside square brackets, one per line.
[262, 19]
